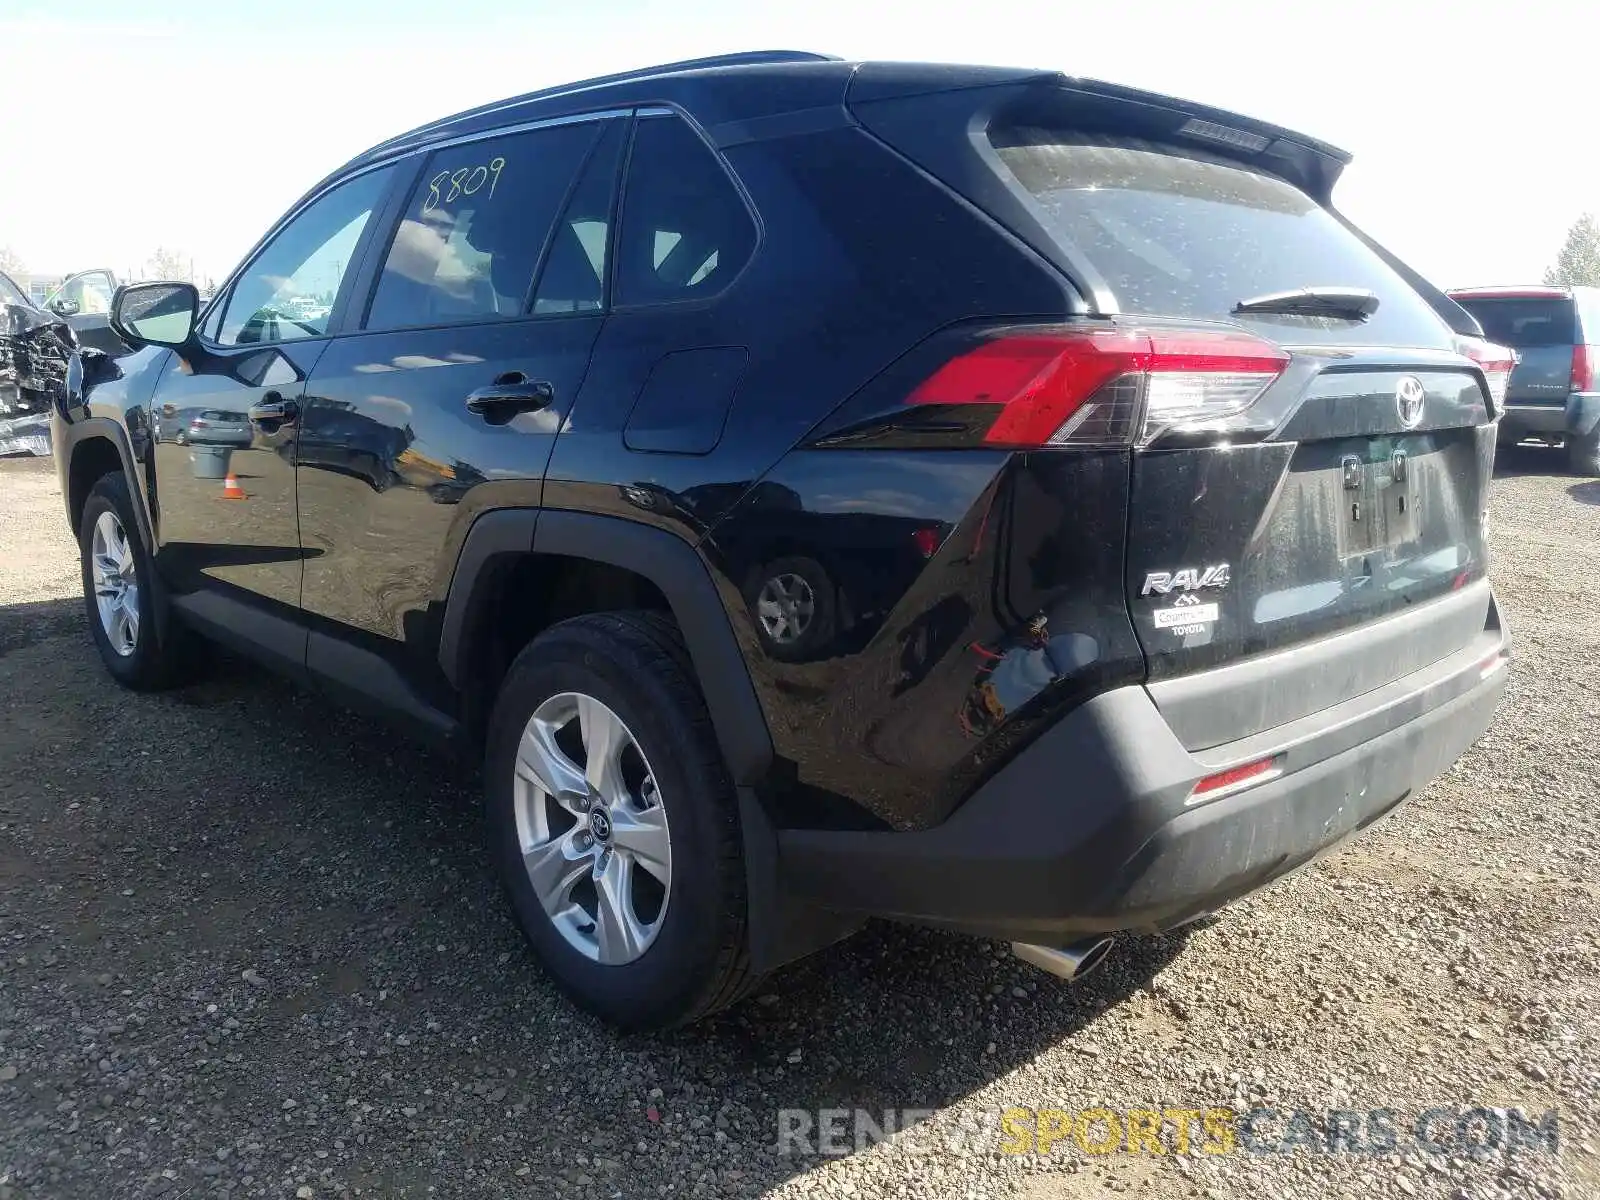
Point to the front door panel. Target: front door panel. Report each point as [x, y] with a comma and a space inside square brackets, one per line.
[245, 538]
[227, 413]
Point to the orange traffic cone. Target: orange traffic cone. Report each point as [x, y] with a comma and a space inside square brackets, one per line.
[231, 489]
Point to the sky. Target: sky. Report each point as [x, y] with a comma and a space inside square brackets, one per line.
[193, 126]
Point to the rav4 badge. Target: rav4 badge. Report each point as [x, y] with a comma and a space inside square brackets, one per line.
[1185, 579]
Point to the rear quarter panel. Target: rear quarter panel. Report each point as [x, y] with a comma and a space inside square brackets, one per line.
[995, 581]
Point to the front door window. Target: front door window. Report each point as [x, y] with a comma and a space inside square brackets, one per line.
[288, 291]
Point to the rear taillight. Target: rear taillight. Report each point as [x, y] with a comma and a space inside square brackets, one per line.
[1496, 363]
[1585, 364]
[1103, 387]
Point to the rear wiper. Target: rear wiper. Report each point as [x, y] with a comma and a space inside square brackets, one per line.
[1355, 303]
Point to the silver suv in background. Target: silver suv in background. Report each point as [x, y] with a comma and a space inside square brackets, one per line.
[1554, 393]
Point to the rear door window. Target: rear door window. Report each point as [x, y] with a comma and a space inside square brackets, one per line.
[1178, 234]
[474, 228]
[685, 229]
[1524, 321]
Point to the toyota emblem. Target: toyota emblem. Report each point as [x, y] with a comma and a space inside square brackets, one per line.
[1408, 397]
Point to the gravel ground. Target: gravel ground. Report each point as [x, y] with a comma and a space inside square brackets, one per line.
[249, 947]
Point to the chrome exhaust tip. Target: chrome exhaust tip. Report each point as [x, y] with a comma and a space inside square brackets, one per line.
[1065, 962]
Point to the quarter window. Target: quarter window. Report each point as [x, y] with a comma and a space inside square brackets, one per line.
[288, 291]
[474, 228]
[685, 229]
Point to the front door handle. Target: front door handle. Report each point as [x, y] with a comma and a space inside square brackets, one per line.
[273, 407]
[508, 395]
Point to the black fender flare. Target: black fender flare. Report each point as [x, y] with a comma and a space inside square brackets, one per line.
[780, 929]
[667, 561]
[73, 435]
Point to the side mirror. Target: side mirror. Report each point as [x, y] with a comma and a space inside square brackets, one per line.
[63, 307]
[156, 314]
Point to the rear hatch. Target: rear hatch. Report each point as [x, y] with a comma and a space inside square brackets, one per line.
[1329, 475]
[1541, 325]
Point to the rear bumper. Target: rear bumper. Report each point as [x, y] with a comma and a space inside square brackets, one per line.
[1579, 416]
[1089, 831]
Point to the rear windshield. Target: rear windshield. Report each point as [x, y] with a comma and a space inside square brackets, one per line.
[1524, 322]
[1176, 234]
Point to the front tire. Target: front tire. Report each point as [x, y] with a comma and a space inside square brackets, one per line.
[140, 647]
[614, 824]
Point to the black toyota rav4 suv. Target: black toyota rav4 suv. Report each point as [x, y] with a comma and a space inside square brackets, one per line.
[816, 490]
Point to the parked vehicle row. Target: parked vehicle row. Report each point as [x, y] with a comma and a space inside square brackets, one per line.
[815, 490]
[1554, 390]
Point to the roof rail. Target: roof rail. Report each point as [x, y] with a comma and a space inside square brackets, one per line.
[741, 58]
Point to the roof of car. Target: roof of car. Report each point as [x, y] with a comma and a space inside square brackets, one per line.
[716, 89]
[731, 92]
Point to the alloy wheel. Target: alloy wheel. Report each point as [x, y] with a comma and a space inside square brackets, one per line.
[116, 583]
[592, 829]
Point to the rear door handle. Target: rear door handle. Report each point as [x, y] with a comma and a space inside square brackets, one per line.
[274, 407]
[510, 394]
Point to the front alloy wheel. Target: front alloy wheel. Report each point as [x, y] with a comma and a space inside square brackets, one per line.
[116, 583]
[592, 829]
[141, 643]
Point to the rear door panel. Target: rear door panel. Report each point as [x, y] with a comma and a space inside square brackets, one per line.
[393, 464]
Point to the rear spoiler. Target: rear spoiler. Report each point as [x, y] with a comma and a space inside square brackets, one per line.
[1040, 97]
[954, 106]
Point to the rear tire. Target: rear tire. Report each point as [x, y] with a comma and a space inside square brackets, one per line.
[1583, 454]
[142, 646]
[627, 673]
